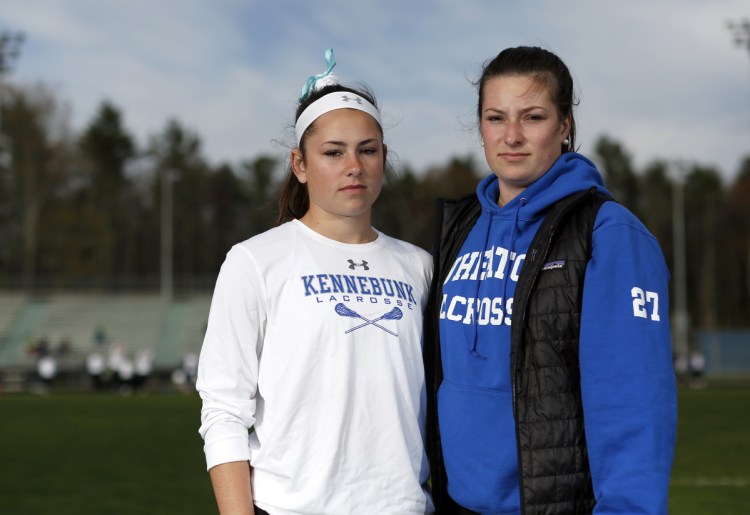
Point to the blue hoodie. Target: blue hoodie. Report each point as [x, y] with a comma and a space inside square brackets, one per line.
[627, 380]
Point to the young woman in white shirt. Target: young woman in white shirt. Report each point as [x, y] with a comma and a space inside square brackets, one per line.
[311, 372]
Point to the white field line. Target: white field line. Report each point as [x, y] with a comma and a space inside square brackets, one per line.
[710, 481]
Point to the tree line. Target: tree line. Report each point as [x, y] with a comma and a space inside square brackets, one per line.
[86, 210]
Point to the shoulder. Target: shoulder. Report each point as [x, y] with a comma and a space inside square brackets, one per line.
[409, 258]
[253, 255]
[409, 261]
[275, 237]
[618, 232]
[404, 248]
[271, 244]
[613, 216]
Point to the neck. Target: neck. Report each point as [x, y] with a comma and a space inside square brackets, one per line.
[354, 230]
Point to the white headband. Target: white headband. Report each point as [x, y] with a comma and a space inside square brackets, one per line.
[331, 102]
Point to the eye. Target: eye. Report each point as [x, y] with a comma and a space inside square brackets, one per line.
[368, 151]
[332, 153]
[494, 118]
[536, 117]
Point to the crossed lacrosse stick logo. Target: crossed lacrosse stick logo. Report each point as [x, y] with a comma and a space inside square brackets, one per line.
[394, 314]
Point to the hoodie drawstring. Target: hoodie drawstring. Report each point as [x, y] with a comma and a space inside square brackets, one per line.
[508, 269]
[475, 338]
[512, 250]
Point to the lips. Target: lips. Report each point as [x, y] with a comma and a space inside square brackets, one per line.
[513, 157]
[354, 187]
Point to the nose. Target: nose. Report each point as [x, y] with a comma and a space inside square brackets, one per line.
[513, 134]
[354, 165]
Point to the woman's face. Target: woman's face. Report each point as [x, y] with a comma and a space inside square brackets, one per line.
[343, 166]
[521, 130]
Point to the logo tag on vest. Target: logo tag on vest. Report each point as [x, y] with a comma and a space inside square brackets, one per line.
[553, 265]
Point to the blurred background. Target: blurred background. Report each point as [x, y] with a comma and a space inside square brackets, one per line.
[139, 141]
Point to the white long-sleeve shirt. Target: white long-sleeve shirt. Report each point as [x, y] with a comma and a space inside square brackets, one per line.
[316, 344]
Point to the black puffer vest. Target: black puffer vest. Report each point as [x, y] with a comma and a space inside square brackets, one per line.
[553, 463]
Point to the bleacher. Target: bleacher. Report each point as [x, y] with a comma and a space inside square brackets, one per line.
[133, 321]
[10, 305]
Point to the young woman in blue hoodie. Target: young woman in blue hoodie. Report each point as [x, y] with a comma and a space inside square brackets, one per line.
[547, 346]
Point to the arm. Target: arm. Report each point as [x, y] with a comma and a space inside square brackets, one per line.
[227, 378]
[231, 483]
[627, 380]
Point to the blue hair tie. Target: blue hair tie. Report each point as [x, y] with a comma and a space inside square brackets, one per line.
[310, 84]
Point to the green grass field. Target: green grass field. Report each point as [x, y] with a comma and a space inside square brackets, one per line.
[710, 474]
[102, 454]
[108, 454]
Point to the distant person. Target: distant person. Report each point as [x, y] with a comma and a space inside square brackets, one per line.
[548, 342]
[190, 367]
[143, 367]
[698, 370]
[125, 374]
[115, 356]
[47, 369]
[315, 336]
[682, 366]
[96, 366]
[185, 375]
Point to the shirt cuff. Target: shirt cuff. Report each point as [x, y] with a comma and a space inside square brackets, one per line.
[226, 450]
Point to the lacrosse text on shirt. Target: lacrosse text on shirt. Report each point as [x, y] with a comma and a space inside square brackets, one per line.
[358, 288]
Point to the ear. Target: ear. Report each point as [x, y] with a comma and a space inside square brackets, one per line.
[298, 165]
[565, 127]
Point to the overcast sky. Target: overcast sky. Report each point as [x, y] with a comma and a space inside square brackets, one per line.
[664, 78]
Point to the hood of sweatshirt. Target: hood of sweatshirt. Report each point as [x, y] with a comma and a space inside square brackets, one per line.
[571, 172]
